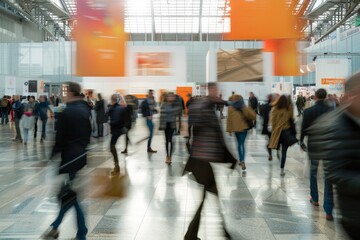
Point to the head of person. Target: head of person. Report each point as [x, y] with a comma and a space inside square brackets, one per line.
[232, 93]
[114, 99]
[320, 94]
[238, 98]
[16, 97]
[99, 96]
[352, 94]
[212, 89]
[122, 101]
[73, 91]
[31, 99]
[282, 102]
[251, 94]
[270, 97]
[170, 97]
[151, 93]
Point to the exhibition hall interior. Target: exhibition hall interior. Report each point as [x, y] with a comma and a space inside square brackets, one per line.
[180, 119]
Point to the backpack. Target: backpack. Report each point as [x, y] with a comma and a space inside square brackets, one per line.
[4, 103]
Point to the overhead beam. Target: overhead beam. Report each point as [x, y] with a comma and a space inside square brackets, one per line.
[152, 21]
[200, 19]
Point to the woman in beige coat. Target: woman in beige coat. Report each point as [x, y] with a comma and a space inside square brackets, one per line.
[238, 114]
[280, 117]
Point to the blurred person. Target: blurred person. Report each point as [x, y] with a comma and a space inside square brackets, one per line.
[18, 109]
[116, 114]
[208, 146]
[35, 114]
[100, 115]
[168, 114]
[330, 101]
[232, 94]
[310, 116]
[220, 107]
[12, 100]
[300, 103]
[180, 109]
[237, 122]
[72, 138]
[281, 117]
[253, 102]
[148, 110]
[266, 116]
[190, 101]
[307, 103]
[128, 120]
[335, 138]
[42, 111]
[27, 119]
[5, 110]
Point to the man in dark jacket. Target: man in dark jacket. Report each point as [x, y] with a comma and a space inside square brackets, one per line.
[300, 103]
[18, 112]
[148, 110]
[310, 116]
[116, 114]
[72, 138]
[5, 110]
[253, 102]
[100, 115]
[208, 146]
[335, 138]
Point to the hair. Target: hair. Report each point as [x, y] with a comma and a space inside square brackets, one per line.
[99, 96]
[114, 98]
[353, 82]
[211, 84]
[321, 94]
[74, 88]
[237, 97]
[233, 93]
[151, 91]
[282, 102]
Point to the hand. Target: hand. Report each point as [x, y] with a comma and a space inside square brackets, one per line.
[303, 146]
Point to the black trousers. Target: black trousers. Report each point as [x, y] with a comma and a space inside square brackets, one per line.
[100, 129]
[114, 139]
[351, 229]
[169, 132]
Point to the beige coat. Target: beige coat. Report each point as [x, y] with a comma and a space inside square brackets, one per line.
[236, 120]
[279, 121]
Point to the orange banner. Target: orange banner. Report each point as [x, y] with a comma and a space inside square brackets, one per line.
[332, 81]
[100, 38]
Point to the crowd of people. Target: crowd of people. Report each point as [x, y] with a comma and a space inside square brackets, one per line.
[331, 126]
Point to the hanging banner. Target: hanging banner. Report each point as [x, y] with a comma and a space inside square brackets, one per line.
[100, 38]
[25, 88]
[10, 85]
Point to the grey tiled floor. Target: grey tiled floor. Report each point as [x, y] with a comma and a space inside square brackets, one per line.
[160, 202]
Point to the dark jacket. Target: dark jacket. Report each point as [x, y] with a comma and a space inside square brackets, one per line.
[128, 116]
[100, 112]
[146, 108]
[18, 109]
[335, 138]
[73, 136]
[42, 110]
[311, 114]
[117, 117]
[265, 114]
[253, 103]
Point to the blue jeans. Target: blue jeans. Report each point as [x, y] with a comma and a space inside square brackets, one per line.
[328, 190]
[150, 125]
[26, 134]
[241, 136]
[5, 117]
[82, 230]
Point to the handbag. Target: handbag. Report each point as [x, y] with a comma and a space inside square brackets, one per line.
[288, 137]
[66, 196]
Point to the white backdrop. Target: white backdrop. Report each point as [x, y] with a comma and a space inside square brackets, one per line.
[332, 68]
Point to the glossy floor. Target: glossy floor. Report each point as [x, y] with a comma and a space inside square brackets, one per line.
[160, 202]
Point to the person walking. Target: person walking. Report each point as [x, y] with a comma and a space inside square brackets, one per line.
[237, 122]
[208, 146]
[72, 138]
[116, 115]
[5, 109]
[129, 118]
[281, 118]
[253, 102]
[265, 114]
[42, 111]
[27, 119]
[310, 116]
[168, 114]
[100, 115]
[148, 110]
[300, 103]
[18, 109]
[334, 138]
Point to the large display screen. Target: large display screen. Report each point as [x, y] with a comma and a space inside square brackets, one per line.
[239, 65]
[153, 64]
